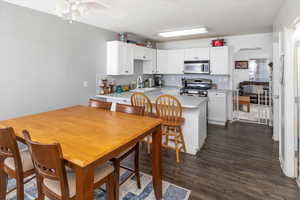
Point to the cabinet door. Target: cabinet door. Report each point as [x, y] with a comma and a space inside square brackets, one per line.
[119, 58]
[189, 54]
[196, 54]
[202, 54]
[162, 61]
[138, 52]
[150, 66]
[148, 54]
[128, 62]
[219, 60]
[175, 61]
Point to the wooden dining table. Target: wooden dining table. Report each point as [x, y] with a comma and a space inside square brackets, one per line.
[90, 137]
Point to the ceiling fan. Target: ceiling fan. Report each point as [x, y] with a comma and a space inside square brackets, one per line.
[73, 9]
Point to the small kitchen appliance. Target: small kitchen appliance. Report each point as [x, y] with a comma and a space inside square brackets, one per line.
[196, 67]
[195, 87]
[158, 81]
[151, 82]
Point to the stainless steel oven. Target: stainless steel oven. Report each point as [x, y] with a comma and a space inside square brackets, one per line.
[197, 67]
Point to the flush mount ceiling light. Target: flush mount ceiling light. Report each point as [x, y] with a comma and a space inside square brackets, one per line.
[186, 32]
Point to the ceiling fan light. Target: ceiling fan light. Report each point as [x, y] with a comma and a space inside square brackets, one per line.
[186, 32]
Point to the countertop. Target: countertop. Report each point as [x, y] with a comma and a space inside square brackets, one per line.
[220, 90]
[186, 101]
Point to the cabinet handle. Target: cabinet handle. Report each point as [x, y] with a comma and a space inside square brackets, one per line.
[196, 57]
[126, 71]
[144, 56]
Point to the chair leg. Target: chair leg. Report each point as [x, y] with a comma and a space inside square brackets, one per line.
[20, 188]
[137, 166]
[111, 187]
[3, 184]
[116, 163]
[182, 139]
[176, 149]
[39, 181]
[148, 145]
[167, 136]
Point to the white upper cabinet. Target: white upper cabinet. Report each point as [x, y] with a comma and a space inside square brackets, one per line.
[196, 54]
[119, 58]
[162, 61]
[150, 66]
[219, 60]
[175, 61]
[170, 61]
[142, 53]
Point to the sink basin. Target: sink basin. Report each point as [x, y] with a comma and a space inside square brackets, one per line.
[143, 90]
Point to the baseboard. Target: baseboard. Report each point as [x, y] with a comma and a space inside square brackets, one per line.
[217, 123]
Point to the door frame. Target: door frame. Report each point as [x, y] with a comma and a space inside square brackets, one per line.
[297, 99]
[290, 117]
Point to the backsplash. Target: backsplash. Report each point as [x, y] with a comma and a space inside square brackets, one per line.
[123, 79]
[222, 82]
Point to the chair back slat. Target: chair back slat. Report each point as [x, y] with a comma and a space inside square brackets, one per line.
[135, 110]
[140, 99]
[94, 103]
[169, 109]
[9, 147]
[48, 162]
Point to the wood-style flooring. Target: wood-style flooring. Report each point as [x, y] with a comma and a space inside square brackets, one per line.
[236, 163]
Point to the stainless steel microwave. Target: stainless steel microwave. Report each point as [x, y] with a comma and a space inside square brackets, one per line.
[197, 67]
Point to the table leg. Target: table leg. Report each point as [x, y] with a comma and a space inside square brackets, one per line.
[84, 183]
[156, 163]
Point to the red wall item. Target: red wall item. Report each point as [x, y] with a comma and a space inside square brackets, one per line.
[218, 43]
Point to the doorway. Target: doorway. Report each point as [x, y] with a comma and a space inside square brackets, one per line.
[252, 96]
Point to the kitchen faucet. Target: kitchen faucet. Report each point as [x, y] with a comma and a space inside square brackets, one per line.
[139, 82]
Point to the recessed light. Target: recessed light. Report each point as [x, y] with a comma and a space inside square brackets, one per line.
[193, 31]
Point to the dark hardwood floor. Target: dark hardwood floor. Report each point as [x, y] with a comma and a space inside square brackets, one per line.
[238, 162]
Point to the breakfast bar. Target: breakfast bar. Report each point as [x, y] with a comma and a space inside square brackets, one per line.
[194, 114]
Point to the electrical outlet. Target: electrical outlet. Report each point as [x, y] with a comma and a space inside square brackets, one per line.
[85, 84]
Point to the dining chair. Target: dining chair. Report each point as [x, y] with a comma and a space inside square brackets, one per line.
[169, 109]
[135, 110]
[95, 103]
[54, 180]
[13, 163]
[140, 99]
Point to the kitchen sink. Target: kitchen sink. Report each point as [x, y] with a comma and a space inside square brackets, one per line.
[143, 90]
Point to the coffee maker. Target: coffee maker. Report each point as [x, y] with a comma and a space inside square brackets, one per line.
[158, 80]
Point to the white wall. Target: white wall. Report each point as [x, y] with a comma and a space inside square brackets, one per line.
[283, 26]
[44, 61]
[263, 41]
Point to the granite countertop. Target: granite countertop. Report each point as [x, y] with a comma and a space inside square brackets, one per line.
[186, 101]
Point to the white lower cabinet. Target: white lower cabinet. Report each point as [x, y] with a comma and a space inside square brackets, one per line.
[217, 107]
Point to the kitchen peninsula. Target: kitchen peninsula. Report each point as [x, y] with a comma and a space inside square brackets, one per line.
[194, 113]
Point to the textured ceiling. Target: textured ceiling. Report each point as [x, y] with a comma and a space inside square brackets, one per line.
[148, 17]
